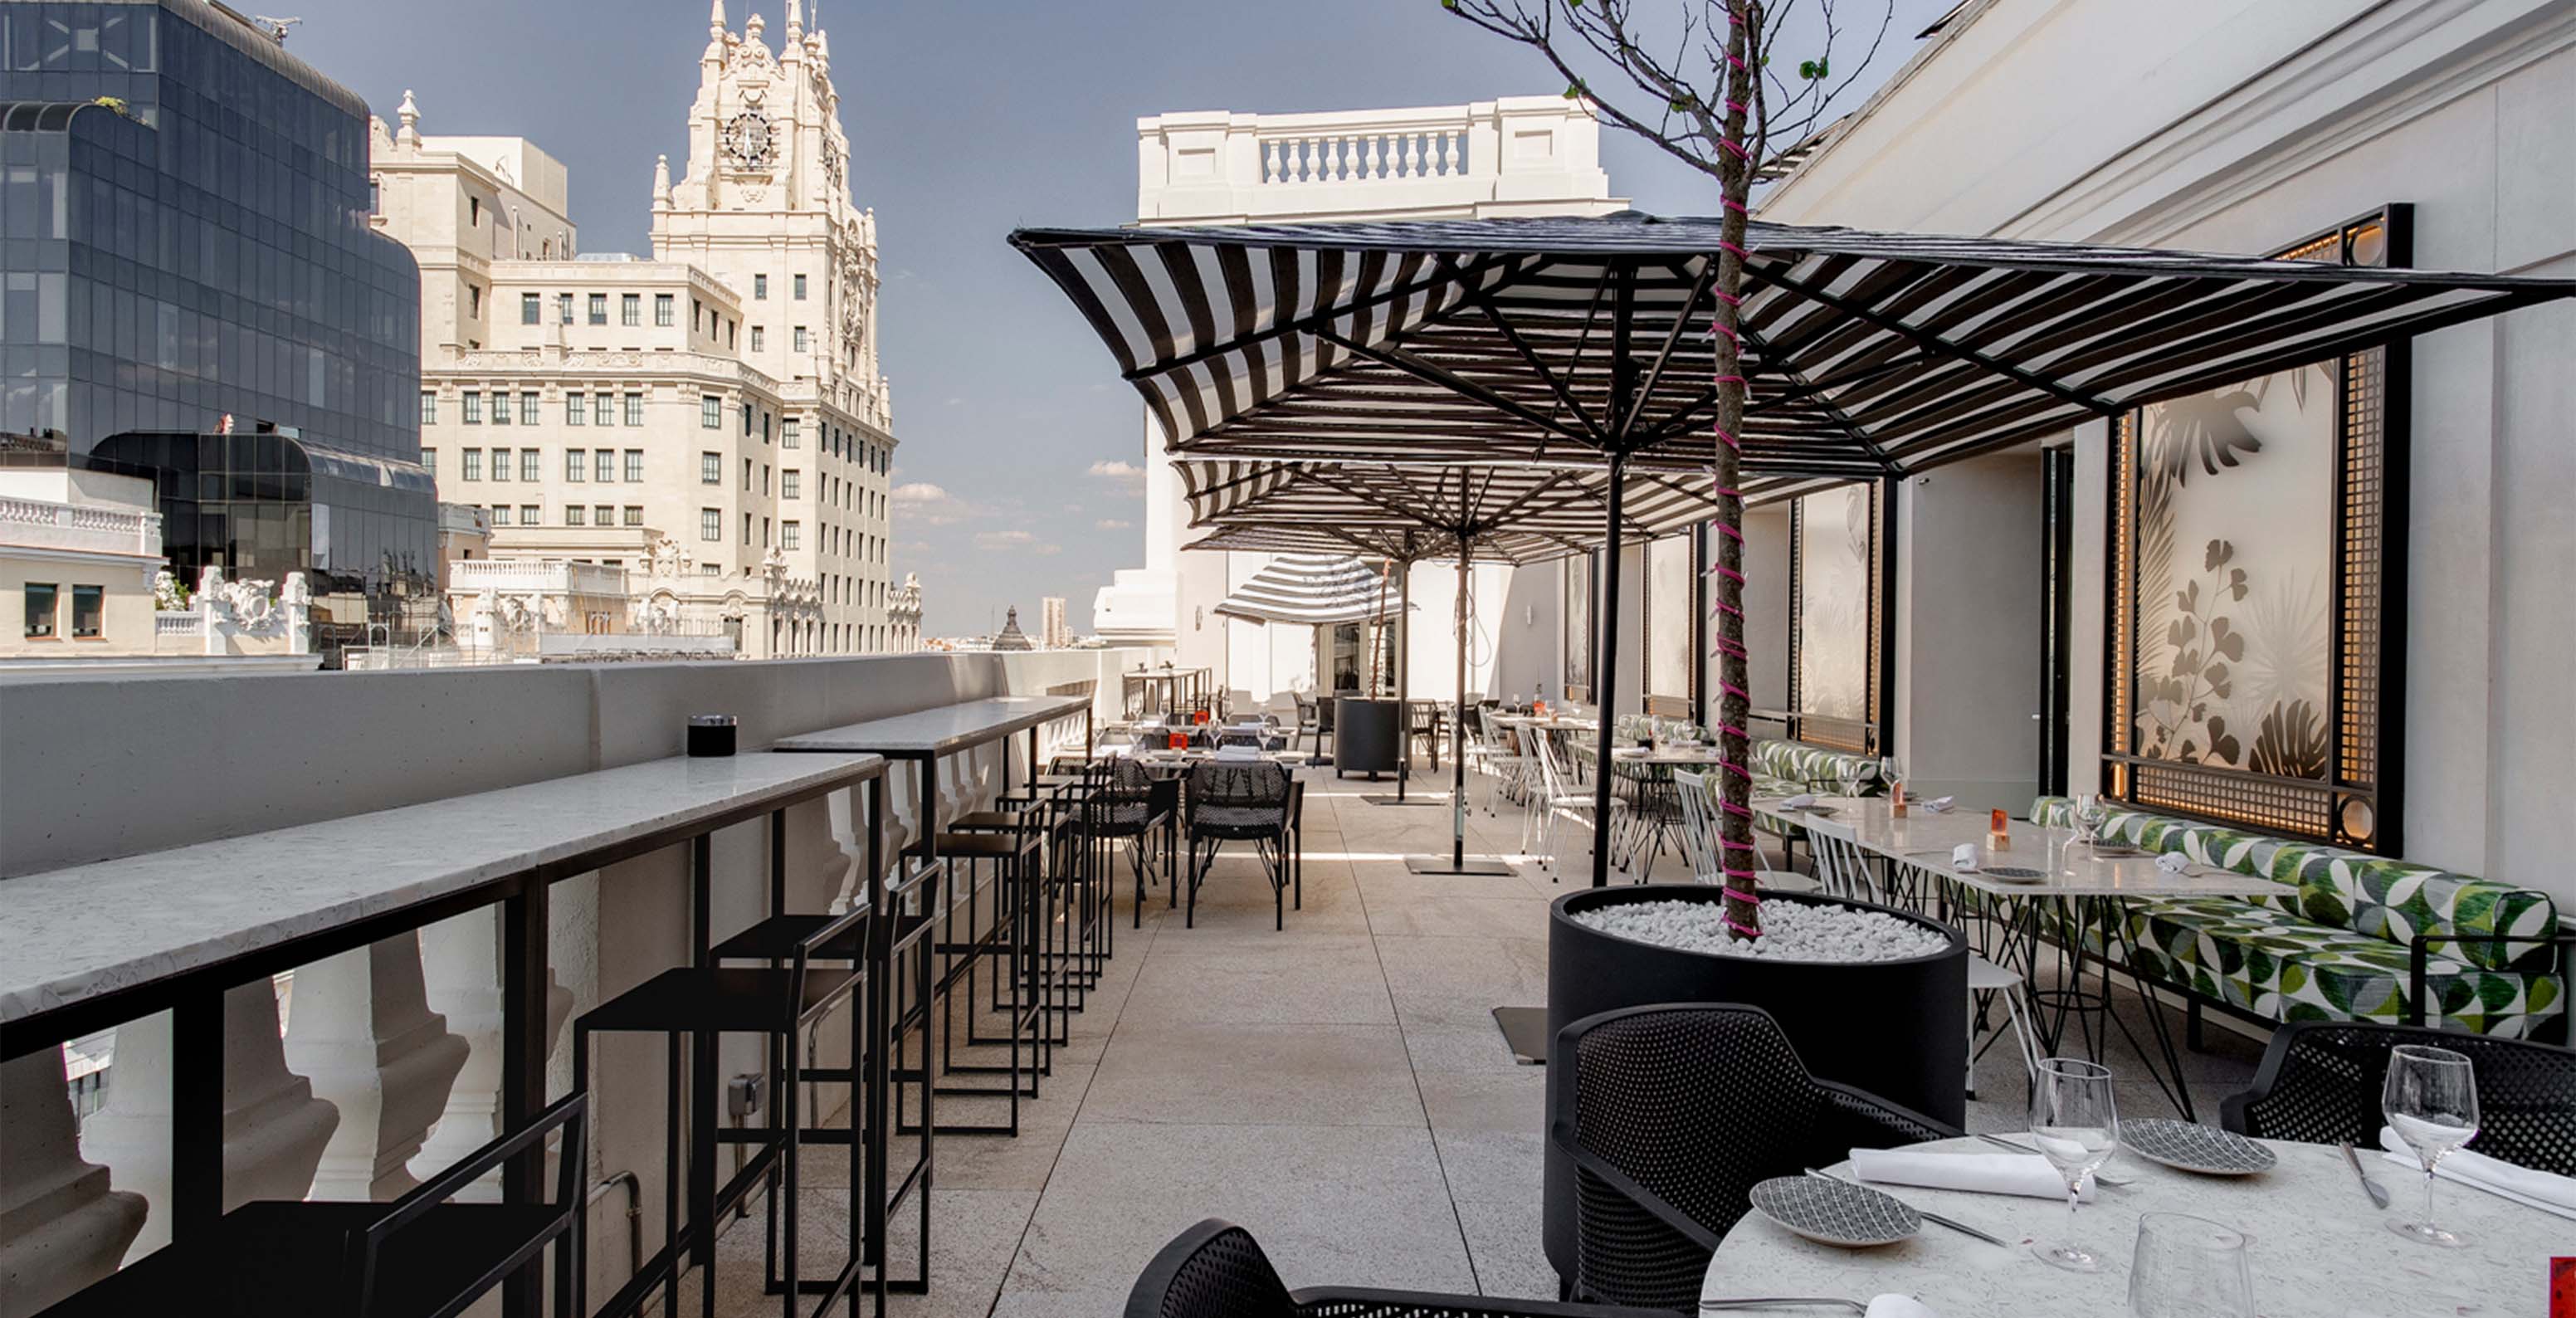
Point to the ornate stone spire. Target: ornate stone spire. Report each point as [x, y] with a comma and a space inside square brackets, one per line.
[661, 183]
[795, 21]
[753, 27]
[716, 21]
[409, 114]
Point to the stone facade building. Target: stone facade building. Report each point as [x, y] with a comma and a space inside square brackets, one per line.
[715, 409]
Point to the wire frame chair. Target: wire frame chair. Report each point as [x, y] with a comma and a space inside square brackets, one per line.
[1239, 803]
[1701, 839]
[1655, 1187]
[1217, 1270]
[2319, 1084]
[1555, 801]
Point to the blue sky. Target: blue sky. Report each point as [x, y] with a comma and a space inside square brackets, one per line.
[965, 121]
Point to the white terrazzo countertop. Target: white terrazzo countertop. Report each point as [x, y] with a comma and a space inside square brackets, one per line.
[943, 730]
[71, 934]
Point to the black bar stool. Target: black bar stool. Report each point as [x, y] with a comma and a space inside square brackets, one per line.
[417, 1257]
[702, 1003]
[1005, 863]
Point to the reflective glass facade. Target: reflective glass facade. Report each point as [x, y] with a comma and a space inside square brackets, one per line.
[198, 248]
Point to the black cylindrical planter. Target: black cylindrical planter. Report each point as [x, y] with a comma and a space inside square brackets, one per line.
[1898, 1029]
[1368, 735]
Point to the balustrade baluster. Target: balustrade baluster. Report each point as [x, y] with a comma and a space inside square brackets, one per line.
[1374, 170]
[1412, 155]
[1270, 165]
[1449, 164]
[1305, 152]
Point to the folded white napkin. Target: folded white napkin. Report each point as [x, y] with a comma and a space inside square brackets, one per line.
[1963, 858]
[1939, 805]
[1899, 1306]
[2026, 1174]
[2546, 1191]
[1799, 802]
[2173, 862]
[1238, 752]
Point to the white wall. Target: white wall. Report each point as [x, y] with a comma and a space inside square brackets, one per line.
[1969, 620]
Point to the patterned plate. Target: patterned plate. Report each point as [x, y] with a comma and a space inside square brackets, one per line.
[2115, 850]
[1832, 1212]
[2186, 1147]
[2014, 872]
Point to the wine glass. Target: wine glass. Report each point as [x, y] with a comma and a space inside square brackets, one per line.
[2090, 816]
[2189, 1267]
[1891, 771]
[2075, 1121]
[2431, 1100]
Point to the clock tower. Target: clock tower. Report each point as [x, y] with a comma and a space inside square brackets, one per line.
[765, 208]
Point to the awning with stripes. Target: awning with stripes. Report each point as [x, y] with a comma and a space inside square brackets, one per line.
[1314, 590]
[1869, 354]
[1515, 514]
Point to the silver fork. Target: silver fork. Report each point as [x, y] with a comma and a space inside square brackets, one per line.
[1829, 1301]
[2099, 1177]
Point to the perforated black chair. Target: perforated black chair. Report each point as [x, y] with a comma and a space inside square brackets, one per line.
[2319, 1084]
[1239, 803]
[1122, 803]
[1217, 1270]
[1640, 1093]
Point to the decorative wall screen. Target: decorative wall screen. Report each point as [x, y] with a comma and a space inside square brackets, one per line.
[1582, 573]
[2256, 581]
[1672, 634]
[1835, 573]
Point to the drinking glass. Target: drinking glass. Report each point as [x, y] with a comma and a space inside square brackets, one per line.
[2090, 815]
[2189, 1267]
[2431, 1100]
[1891, 771]
[2075, 1121]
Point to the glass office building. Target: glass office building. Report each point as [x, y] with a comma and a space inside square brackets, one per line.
[191, 288]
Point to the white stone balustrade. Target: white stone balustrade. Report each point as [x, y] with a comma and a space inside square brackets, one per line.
[79, 527]
[61, 1227]
[274, 1128]
[461, 970]
[1514, 156]
[360, 1026]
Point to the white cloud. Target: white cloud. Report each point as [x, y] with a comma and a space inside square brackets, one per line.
[1126, 474]
[1018, 542]
[929, 505]
[1114, 524]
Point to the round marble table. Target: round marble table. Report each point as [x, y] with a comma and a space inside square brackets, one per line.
[2316, 1245]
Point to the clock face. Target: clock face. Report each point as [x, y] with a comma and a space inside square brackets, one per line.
[747, 140]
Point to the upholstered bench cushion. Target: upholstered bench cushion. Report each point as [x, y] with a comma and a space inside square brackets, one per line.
[2273, 963]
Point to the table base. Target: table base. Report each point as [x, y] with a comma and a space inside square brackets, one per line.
[1524, 1032]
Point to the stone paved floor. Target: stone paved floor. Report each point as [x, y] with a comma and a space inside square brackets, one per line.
[1339, 1088]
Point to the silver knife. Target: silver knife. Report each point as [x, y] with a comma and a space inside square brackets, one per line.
[2378, 1193]
[1928, 1216]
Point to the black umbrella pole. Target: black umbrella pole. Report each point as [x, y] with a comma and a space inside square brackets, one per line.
[1458, 734]
[1606, 678]
[1403, 677]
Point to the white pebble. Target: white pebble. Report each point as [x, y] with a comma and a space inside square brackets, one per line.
[1791, 931]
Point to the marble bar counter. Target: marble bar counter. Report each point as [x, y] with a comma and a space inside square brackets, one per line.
[86, 946]
[944, 730]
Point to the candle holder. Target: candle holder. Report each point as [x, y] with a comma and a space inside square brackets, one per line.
[1998, 832]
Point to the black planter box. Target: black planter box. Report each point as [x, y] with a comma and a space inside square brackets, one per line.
[1897, 1029]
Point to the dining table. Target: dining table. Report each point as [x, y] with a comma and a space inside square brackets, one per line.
[2043, 885]
[2317, 1246]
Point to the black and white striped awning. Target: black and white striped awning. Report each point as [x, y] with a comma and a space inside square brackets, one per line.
[1313, 590]
[1869, 354]
[1515, 513]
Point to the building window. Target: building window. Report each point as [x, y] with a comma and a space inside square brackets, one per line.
[531, 307]
[599, 308]
[576, 465]
[603, 410]
[473, 464]
[697, 311]
[634, 409]
[473, 211]
[635, 466]
[711, 524]
[730, 326]
[711, 469]
[787, 432]
[474, 301]
[800, 288]
[40, 611]
[759, 291]
[528, 459]
[531, 515]
[603, 465]
[791, 484]
[428, 407]
[528, 409]
[603, 514]
[662, 310]
[759, 337]
[634, 514]
[563, 308]
[500, 462]
[710, 412]
[630, 309]
[473, 408]
[790, 535]
[429, 459]
[576, 411]
[746, 475]
[572, 514]
[500, 514]
[799, 344]
[500, 408]
[746, 530]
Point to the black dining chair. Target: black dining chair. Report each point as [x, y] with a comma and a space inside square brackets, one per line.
[1244, 802]
[1123, 804]
[1217, 1270]
[1656, 1184]
[2319, 1084]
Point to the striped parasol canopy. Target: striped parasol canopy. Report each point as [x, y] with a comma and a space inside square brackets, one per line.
[1314, 590]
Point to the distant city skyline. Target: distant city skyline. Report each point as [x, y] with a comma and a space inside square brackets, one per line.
[1017, 477]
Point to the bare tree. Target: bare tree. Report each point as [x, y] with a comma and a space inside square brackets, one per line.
[1716, 101]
